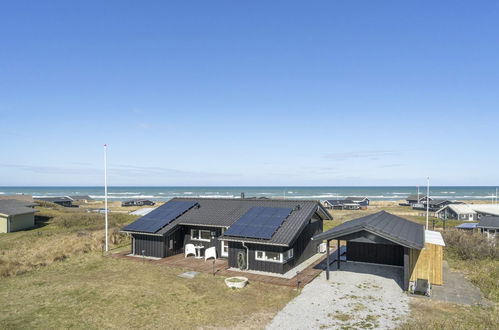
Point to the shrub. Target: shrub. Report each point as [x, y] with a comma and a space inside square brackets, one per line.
[470, 245]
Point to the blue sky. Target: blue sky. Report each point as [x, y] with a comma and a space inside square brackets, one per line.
[249, 93]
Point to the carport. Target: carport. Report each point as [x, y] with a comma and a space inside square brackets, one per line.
[384, 238]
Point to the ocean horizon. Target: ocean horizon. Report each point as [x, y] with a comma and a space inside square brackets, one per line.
[164, 193]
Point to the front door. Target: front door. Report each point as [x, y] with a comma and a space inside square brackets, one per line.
[224, 249]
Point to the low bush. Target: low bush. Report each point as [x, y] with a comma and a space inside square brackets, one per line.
[470, 245]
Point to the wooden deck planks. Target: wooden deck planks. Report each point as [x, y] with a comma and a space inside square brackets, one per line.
[221, 269]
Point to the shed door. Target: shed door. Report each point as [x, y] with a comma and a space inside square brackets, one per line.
[375, 253]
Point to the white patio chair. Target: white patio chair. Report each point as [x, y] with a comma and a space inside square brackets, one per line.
[210, 253]
[189, 249]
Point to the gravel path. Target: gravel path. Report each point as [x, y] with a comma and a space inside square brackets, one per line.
[359, 296]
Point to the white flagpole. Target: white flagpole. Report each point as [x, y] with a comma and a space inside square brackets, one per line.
[105, 195]
[427, 201]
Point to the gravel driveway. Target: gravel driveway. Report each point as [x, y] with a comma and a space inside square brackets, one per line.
[359, 296]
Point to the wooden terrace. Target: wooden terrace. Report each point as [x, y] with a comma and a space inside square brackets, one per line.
[220, 268]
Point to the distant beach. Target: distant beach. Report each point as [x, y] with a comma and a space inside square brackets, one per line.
[390, 193]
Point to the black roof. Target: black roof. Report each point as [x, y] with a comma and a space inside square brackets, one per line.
[221, 212]
[391, 227]
[357, 198]
[340, 201]
[488, 222]
[415, 197]
[81, 198]
[15, 207]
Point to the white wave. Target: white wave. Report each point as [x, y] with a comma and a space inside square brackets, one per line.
[188, 193]
[290, 192]
[2, 193]
[447, 192]
[112, 196]
[126, 193]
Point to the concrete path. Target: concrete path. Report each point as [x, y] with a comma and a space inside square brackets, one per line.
[457, 289]
[359, 296]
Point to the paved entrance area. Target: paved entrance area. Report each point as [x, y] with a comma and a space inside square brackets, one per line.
[457, 289]
[359, 296]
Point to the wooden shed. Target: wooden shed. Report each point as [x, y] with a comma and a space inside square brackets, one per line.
[428, 263]
[387, 239]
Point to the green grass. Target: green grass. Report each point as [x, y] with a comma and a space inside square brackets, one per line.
[94, 292]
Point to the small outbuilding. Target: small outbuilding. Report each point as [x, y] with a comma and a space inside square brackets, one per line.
[137, 202]
[384, 238]
[489, 225]
[16, 215]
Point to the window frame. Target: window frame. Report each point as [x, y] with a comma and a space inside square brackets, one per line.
[198, 238]
[283, 256]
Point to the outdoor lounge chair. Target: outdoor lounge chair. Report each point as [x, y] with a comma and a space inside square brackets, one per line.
[210, 253]
[190, 249]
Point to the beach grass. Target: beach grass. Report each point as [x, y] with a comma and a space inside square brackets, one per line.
[93, 292]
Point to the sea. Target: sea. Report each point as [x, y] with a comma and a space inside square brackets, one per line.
[388, 193]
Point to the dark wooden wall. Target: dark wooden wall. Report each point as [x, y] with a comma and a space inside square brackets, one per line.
[264, 266]
[304, 247]
[375, 253]
[153, 246]
[213, 242]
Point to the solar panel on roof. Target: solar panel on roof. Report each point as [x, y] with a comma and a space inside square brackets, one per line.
[259, 222]
[160, 217]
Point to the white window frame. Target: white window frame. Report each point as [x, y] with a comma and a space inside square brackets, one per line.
[222, 252]
[289, 255]
[199, 238]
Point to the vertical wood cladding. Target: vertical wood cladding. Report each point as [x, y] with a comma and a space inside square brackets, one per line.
[213, 241]
[375, 253]
[149, 246]
[303, 249]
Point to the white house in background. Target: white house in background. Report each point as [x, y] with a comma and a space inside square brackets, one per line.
[467, 212]
[462, 212]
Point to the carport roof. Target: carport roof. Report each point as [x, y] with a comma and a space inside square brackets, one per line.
[391, 227]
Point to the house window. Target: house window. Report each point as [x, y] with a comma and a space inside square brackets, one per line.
[288, 254]
[274, 256]
[200, 235]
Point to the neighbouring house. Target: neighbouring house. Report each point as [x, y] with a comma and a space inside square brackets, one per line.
[462, 212]
[489, 225]
[137, 202]
[16, 215]
[82, 198]
[467, 212]
[341, 204]
[417, 199]
[272, 236]
[433, 205]
[63, 201]
[384, 238]
[362, 201]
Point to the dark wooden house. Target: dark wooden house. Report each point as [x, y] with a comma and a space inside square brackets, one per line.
[253, 234]
[137, 202]
[63, 201]
[341, 204]
[361, 200]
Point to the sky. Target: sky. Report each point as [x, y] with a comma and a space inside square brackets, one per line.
[249, 92]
